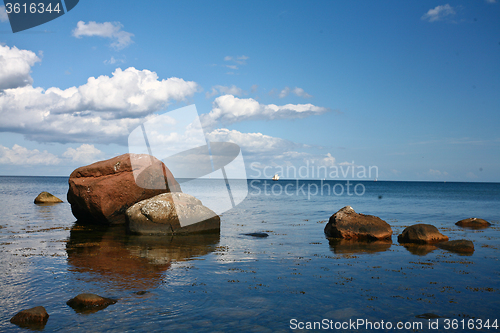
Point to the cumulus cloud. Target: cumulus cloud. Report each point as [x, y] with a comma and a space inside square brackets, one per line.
[224, 90]
[112, 30]
[19, 155]
[284, 92]
[3, 14]
[439, 13]
[252, 143]
[15, 67]
[263, 150]
[103, 110]
[84, 154]
[300, 92]
[229, 109]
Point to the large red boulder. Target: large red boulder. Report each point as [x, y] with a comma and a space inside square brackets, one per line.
[103, 191]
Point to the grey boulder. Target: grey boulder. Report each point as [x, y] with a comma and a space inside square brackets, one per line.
[171, 213]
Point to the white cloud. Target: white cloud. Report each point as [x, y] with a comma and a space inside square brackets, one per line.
[266, 150]
[300, 92]
[229, 109]
[296, 91]
[121, 39]
[113, 61]
[438, 13]
[84, 154]
[15, 67]
[240, 60]
[252, 143]
[224, 90]
[103, 110]
[3, 14]
[284, 92]
[19, 155]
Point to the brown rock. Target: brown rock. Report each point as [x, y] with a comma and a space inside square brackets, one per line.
[421, 233]
[102, 192]
[89, 303]
[171, 213]
[473, 223]
[46, 197]
[458, 246]
[348, 224]
[35, 318]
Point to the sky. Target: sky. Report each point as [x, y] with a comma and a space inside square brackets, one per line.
[410, 89]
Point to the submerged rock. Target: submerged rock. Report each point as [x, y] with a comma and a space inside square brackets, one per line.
[474, 223]
[458, 246]
[89, 303]
[46, 197]
[102, 192]
[348, 224]
[171, 213]
[428, 316]
[257, 234]
[34, 318]
[421, 233]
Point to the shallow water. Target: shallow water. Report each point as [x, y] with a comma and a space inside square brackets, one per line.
[231, 282]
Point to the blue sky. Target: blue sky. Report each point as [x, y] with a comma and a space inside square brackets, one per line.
[409, 87]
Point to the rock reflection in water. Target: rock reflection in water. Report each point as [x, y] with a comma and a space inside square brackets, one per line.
[344, 246]
[419, 249]
[130, 261]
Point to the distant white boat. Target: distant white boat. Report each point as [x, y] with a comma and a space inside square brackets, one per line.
[276, 177]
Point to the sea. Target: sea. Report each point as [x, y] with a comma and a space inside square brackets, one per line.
[293, 280]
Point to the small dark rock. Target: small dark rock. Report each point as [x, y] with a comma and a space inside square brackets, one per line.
[421, 233]
[142, 292]
[257, 234]
[473, 223]
[34, 318]
[89, 303]
[46, 197]
[459, 246]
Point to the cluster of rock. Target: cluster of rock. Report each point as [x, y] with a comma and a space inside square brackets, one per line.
[36, 318]
[346, 226]
[138, 190]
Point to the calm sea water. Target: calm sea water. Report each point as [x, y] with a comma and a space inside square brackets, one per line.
[229, 282]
